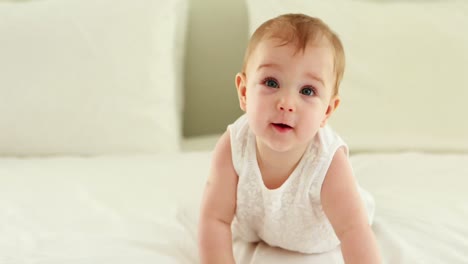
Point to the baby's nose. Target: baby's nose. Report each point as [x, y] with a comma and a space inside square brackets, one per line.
[286, 104]
[289, 109]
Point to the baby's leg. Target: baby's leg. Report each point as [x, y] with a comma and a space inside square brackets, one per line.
[261, 253]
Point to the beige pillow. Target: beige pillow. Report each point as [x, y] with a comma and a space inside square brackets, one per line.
[89, 77]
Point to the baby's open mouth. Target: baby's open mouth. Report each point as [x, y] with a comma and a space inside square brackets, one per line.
[282, 125]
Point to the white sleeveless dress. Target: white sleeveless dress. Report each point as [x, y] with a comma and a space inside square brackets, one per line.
[291, 216]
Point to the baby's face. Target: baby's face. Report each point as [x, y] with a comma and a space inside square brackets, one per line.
[288, 92]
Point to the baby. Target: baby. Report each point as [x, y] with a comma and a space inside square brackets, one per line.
[280, 174]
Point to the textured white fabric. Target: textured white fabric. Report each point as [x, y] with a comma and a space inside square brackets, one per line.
[144, 209]
[291, 216]
[91, 76]
[405, 85]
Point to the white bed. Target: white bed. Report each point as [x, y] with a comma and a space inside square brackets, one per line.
[131, 210]
[94, 171]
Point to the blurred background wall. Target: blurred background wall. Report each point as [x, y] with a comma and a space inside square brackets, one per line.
[210, 95]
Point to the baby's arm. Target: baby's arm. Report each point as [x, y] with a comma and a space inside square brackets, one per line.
[344, 208]
[218, 207]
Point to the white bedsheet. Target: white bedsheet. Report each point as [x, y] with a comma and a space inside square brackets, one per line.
[143, 209]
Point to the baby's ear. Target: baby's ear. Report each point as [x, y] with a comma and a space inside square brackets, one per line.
[241, 90]
[332, 106]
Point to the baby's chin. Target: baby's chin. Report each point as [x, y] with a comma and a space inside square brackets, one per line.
[282, 146]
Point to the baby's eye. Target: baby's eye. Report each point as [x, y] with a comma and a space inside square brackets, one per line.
[271, 83]
[307, 91]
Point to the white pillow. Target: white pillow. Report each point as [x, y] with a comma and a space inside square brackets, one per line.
[405, 85]
[91, 77]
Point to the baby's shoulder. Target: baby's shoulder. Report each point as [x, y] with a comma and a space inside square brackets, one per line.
[330, 141]
[221, 155]
[239, 127]
[239, 133]
[242, 140]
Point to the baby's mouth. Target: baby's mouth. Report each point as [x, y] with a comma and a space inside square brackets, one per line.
[281, 125]
[282, 128]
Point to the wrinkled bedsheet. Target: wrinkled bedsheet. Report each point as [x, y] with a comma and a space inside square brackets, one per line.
[143, 209]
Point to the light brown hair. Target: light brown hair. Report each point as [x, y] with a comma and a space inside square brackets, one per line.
[301, 30]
